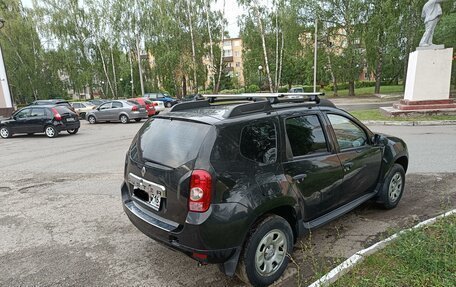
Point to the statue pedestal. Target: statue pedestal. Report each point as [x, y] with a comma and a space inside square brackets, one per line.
[427, 89]
[429, 75]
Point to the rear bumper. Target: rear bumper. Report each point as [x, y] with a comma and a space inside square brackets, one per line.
[171, 234]
[67, 126]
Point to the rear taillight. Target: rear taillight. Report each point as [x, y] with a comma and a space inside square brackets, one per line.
[200, 191]
[57, 116]
[134, 108]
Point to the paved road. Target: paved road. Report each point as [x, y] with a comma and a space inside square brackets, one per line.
[61, 220]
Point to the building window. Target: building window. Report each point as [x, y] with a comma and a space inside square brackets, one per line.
[227, 43]
[238, 64]
[237, 53]
[227, 53]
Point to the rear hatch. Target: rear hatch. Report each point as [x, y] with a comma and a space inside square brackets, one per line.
[161, 160]
[141, 108]
[67, 115]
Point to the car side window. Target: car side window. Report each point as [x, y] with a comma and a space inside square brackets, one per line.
[306, 135]
[348, 134]
[76, 105]
[259, 142]
[37, 113]
[105, 106]
[116, 105]
[23, 114]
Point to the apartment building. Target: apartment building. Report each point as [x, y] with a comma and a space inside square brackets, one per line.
[232, 57]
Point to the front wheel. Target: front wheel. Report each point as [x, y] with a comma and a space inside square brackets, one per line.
[264, 257]
[393, 187]
[5, 132]
[124, 119]
[51, 132]
[92, 120]
[73, 131]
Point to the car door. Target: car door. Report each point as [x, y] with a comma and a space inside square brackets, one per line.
[36, 120]
[104, 112]
[311, 164]
[20, 124]
[360, 159]
[116, 109]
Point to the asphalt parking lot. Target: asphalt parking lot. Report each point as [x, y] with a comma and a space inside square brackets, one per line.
[62, 223]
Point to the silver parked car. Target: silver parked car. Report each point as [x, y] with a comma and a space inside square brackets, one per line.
[118, 110]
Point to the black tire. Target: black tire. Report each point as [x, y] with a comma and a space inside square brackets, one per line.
[124, 119]
[168, 105]
[82, 115]
[256, 273]
[393, 187]
[138, 120]
[156, 113]
[51, 131]
[73, 132]
[5, 132]
[92, 120]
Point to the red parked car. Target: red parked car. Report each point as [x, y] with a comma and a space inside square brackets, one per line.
[148, 104]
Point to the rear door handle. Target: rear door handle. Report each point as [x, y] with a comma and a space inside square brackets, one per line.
[300, 177]
[348, 166]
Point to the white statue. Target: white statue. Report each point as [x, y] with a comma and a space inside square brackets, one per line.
[432, 11]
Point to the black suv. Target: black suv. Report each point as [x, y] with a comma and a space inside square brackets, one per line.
[236, 184]
[50, 120]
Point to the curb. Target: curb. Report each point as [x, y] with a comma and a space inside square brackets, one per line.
[359, 256]
[411, 123]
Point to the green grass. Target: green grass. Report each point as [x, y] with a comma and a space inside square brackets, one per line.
[375, 115]
[422, 257]
[369, 91]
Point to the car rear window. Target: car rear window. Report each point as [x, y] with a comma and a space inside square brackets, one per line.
[63, 109]
[171, 142]
[131, 102]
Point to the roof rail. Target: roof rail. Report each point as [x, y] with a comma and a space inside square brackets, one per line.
[190, 105]
[273, 98]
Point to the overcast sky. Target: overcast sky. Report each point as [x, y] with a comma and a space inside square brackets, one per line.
[232, 11]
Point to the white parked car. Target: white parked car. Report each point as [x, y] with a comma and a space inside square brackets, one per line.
[82, 108]
[159, 106]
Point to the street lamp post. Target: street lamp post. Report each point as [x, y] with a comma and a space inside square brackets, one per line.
[260, 69]
[4, 86]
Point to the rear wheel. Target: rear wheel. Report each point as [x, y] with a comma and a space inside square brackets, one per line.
[73, 131]
[138, 120]
[51, 132]
[124, 119]
[393, 187]
[5, 133]
[264, 257]
[92, 120]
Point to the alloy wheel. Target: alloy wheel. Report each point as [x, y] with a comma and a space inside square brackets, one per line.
[4, 133]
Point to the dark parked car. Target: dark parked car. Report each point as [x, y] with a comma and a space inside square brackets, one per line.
[53, 102]
[235, 185]
[50, 120]
[165, 98]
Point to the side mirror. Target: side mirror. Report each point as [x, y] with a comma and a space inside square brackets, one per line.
[376, 139]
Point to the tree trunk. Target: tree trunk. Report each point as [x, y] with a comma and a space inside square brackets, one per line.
[105, 69]
[281, 61]
[217, 87]
[141, 81]
[333, 76]
[189, 15]
[379, 69]
[276, 76]
[263, 42]
[351, 88]
[131, 75]
[114, 74]
[211, 50]
[184, 86]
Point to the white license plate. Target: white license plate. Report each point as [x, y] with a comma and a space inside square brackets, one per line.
[70, 120]
[155, 191]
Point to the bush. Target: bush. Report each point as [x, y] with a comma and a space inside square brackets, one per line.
[252, 89]
[283, 89]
